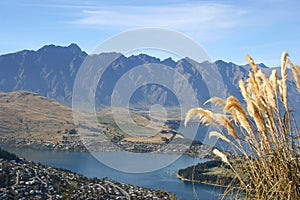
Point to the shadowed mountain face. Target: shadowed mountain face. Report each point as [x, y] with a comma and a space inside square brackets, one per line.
[51, 71]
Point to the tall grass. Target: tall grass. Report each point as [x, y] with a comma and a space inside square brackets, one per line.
[263, 132]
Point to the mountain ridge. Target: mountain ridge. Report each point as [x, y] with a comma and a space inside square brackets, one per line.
[51, 71]
[76, 46]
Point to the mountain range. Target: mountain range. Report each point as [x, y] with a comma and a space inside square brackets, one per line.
[51, 72]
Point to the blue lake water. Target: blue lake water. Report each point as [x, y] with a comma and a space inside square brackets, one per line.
[86, 164]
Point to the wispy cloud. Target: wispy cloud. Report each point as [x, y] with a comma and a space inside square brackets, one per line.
[203, 18]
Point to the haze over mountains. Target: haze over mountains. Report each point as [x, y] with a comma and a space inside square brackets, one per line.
[51, 71]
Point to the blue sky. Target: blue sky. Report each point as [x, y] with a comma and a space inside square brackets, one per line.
[226, 29]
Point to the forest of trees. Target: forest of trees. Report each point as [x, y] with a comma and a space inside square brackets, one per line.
[198, 172]
[5, 155]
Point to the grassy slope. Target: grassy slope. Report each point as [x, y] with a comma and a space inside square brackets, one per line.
[26, 115]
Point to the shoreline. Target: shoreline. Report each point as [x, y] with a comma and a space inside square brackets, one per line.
[199, 182]
[42, 145]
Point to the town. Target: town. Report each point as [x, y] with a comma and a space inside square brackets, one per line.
[73, 143]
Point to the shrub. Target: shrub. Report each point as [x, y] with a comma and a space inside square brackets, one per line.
[265, 133]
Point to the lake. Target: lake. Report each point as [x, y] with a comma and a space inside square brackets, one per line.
[86, 164]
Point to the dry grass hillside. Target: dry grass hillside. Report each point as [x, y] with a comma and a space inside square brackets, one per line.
[25, 115]
[147, 130]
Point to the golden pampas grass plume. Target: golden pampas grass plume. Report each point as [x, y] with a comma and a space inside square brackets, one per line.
[221, 155]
